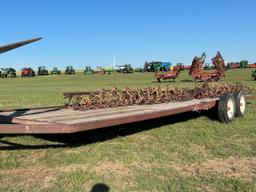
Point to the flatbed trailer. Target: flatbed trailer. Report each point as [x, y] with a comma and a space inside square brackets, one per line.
[61, 120]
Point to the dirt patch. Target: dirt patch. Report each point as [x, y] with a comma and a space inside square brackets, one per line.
[241, 168]
[112, 167]
[26, 176]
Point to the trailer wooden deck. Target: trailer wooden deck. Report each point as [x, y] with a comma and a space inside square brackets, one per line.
[63, 120]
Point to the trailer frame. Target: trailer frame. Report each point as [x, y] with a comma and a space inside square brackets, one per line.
[34, 120]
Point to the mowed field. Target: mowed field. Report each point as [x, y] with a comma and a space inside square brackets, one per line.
[187, 152]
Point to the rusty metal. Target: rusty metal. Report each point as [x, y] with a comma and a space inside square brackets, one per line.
[114, 98]
[37, 129]
[162, 75]
[197, 72]
[9, 47]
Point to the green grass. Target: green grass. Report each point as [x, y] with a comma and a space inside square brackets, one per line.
[188, 152]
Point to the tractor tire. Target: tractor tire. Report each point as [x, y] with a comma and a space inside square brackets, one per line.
[240, 103]
[226, 108]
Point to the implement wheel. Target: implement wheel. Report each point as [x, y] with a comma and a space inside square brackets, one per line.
[240, 102]
[226, 108]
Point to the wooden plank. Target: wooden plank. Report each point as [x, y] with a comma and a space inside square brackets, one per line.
[86, 115]
[148, 112]
[69, 112]
[146, 109]
[97, 124]
[66, 116]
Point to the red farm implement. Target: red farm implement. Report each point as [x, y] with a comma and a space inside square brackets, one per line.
[197, 72]
[163, 75]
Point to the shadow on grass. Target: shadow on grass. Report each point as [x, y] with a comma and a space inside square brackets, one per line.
[164, 81]
[100, 187]
[187, 80]
[101, 135]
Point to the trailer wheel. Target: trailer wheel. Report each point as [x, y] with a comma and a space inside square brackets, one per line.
[240, 103]
[226, 108]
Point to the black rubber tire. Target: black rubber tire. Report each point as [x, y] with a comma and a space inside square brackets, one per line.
[240, 100]
[223, 108]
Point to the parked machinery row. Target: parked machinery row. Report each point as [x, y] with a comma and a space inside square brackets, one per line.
[127, 68]
[29, 72]
[241, 64]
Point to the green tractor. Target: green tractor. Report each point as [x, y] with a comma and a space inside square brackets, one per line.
[127, 68]
[69, 70]
[42, 71]
[55, 71]
[108, 70]
[244, 64]
[254, 74]
[88, 70]
[8, 72]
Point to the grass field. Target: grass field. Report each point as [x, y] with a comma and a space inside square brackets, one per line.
[188, 152]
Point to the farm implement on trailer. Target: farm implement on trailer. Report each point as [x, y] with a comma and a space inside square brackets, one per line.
[101, 109]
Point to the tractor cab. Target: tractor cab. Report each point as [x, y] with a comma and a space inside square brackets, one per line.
[42, 71]
[69, 70]
[55, 71]
[127, 68]
[88, 70]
